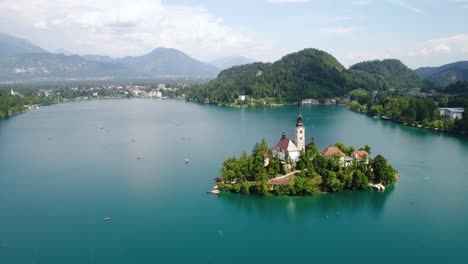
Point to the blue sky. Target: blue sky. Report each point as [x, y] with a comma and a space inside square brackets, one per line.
[418, 32]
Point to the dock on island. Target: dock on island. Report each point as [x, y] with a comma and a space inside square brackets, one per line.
[377, 186]
[215, 190]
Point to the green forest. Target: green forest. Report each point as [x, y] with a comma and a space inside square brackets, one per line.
[309, 73]
[14, 104]
[247, 174]
[408, 109]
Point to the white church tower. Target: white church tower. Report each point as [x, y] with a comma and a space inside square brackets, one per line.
[300, 133]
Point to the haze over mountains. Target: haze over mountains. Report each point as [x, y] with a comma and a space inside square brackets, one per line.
[21, 60]
[234, 60]
[10, 46]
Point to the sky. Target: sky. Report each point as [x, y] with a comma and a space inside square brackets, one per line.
[418, 32]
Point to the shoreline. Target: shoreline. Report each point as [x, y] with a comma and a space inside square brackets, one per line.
[458, 133]
[414, 125]
[81, 100]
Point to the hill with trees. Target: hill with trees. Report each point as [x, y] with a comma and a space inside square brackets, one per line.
[448, 77]
[388, 74]
[445, 74]
[309, 73]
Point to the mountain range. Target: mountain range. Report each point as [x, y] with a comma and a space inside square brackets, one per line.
[446, 74]
[22, 60]
[11, 46]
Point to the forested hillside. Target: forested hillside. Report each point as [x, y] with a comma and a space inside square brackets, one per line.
[309, 73]
[389, 74]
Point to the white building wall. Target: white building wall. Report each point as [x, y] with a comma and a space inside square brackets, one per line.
[300, 137]
[294, 155]
[454, 115]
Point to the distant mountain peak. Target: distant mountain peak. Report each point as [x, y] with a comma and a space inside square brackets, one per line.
[28, 62]
[230, 61]
[445, 74]
[11, 45]
[64, 52]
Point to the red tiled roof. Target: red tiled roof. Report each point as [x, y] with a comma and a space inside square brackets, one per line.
[282, 144]
[331, 151]
[359, 154]
[285, 144]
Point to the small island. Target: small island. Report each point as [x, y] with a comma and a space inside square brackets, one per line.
[295, 168]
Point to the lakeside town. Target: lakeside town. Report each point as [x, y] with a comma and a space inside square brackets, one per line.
[19, 100]
[103, 91]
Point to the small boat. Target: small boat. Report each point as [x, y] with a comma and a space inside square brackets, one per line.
[107, 219]
[187, 161]
[218, 179]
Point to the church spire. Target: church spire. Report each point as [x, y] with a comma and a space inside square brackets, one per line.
[284, 135]
[299, 120]
[300, 132]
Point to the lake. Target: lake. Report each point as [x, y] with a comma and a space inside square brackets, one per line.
[64, 168]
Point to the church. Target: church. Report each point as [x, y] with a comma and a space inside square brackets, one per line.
[293, 148]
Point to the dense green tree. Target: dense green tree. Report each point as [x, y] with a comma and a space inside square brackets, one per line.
[274, 166]
[360, 181]
[366, 148]
[383, 172]
[230, 169]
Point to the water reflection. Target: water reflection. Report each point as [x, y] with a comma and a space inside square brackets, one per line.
[301, 208]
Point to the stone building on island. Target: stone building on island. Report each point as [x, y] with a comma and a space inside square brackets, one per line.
[287, 147]
[288, 151]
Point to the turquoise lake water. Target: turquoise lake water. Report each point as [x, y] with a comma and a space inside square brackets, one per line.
[61, 174]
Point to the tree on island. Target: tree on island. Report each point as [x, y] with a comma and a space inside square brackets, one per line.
[383, 172]
[317, 173]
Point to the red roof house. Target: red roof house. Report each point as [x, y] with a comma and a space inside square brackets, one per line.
[331, 151]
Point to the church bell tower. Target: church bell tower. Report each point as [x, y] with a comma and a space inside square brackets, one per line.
[300, 133]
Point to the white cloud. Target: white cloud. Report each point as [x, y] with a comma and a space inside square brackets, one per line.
[432, 52]
[406, 5]
[340, 30]
[287, 1]
[119, 28]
